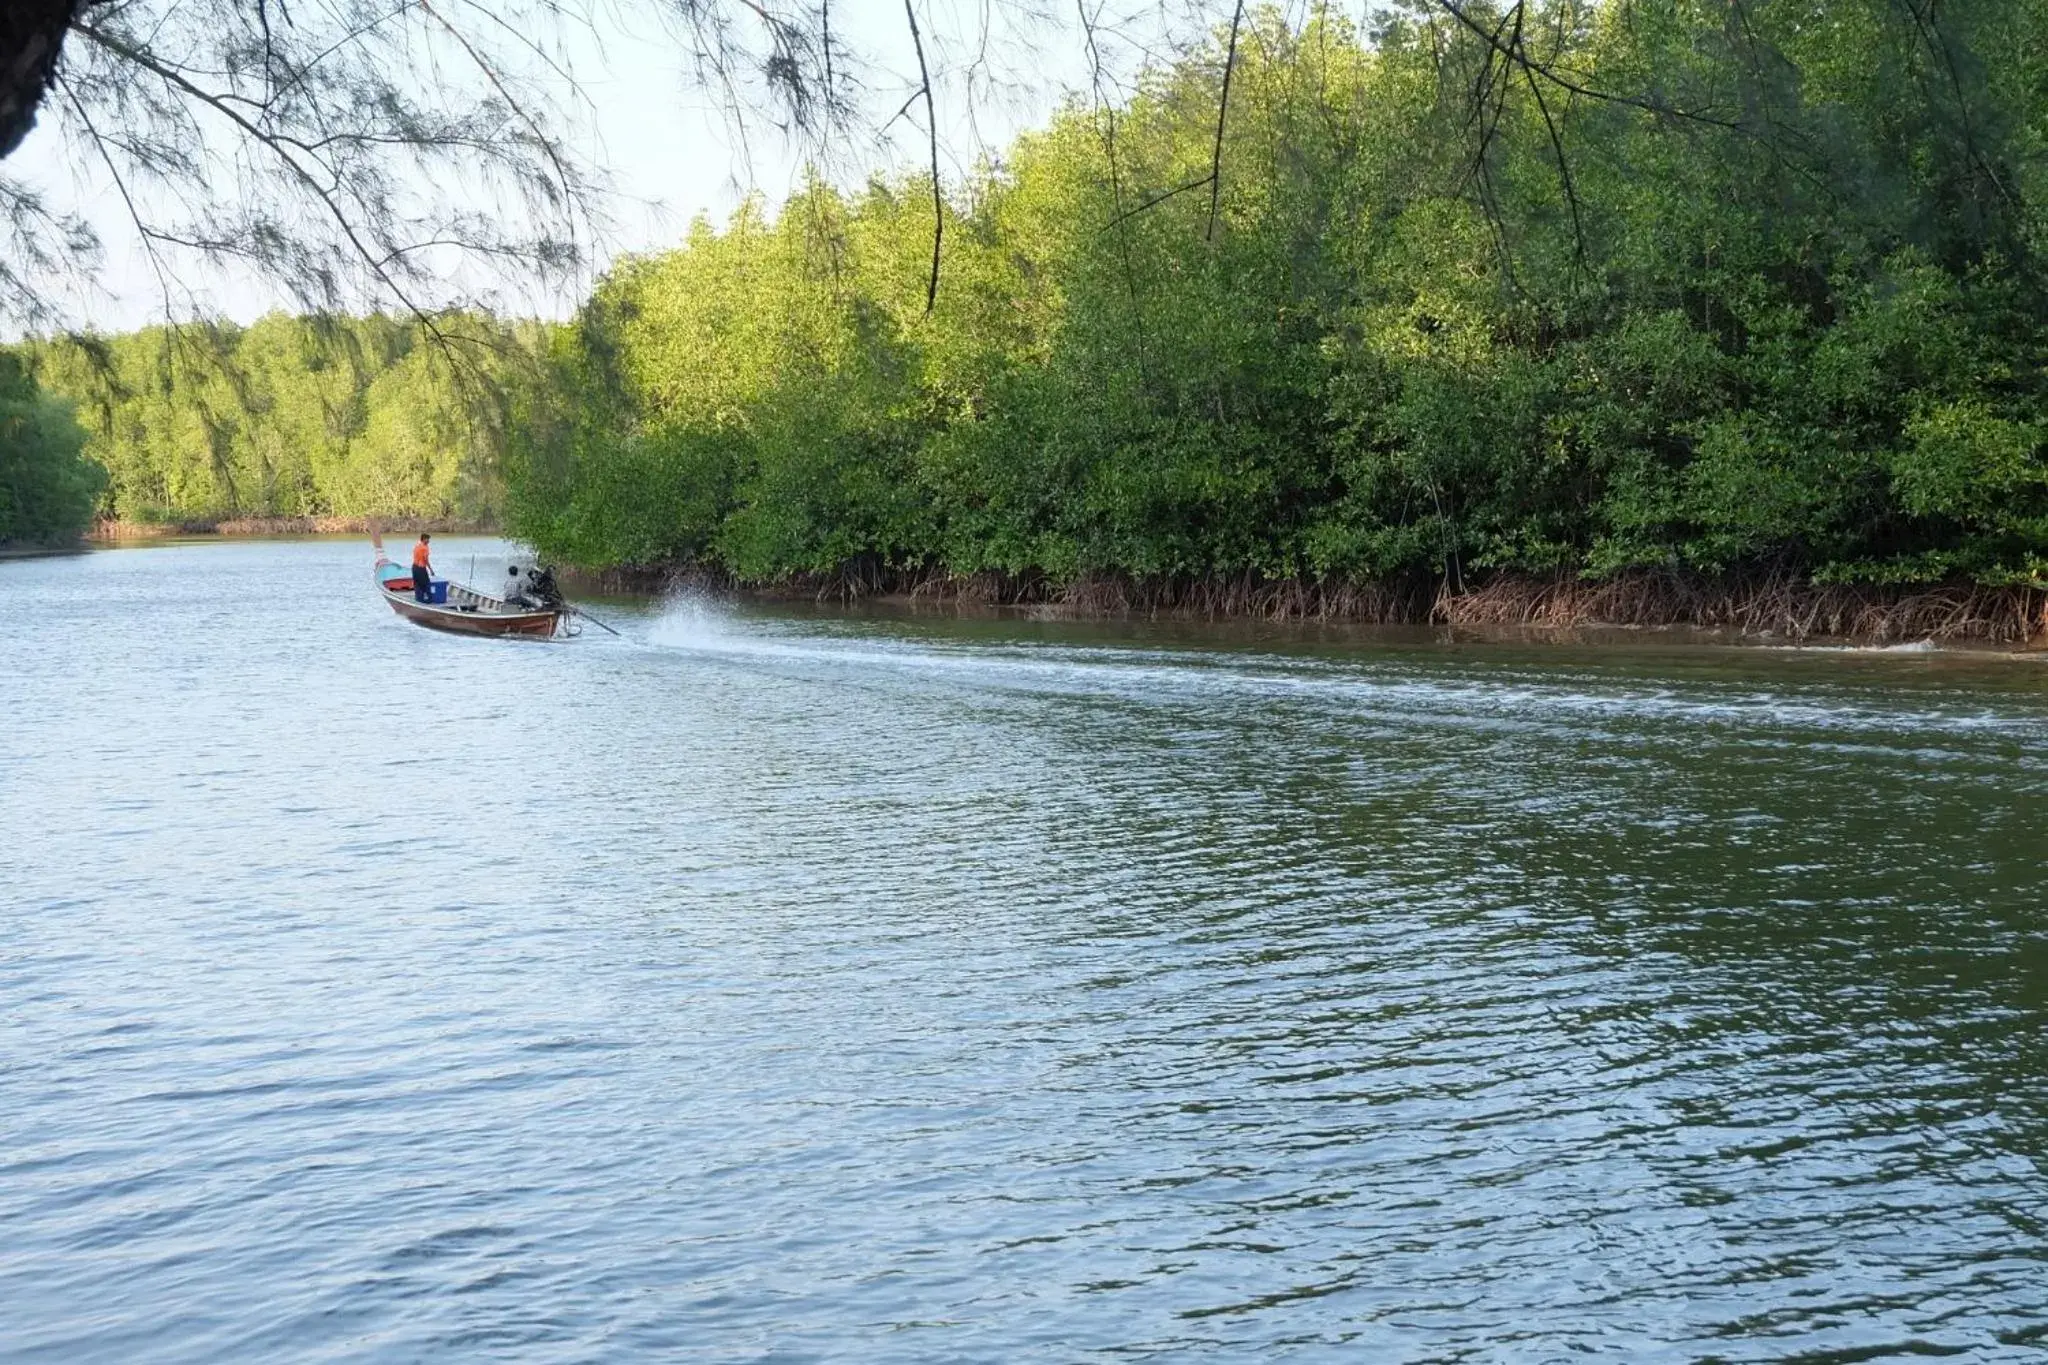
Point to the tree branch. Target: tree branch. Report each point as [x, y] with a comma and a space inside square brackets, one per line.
[1549, 73]
[279, 148]
[1156, 200]
[147, 234]
[931, 120]
[1222, 113]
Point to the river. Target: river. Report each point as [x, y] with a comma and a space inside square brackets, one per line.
[775, 985]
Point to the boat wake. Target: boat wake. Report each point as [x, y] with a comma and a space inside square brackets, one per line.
[1350, 687]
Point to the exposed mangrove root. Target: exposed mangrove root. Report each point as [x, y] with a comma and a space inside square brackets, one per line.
[1392, 602]
[1764, 603]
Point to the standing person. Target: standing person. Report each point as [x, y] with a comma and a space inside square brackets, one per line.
[422, 570]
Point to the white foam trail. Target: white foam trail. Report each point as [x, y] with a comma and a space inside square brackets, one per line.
[1353, 687]
[690, 620]
[1927, 646]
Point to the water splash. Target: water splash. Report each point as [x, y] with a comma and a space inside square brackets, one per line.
[692, 620]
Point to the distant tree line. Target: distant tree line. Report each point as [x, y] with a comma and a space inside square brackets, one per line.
[292, 417]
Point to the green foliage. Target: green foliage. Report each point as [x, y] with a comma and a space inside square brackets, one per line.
[1781, 304]
[47, 490]
[1763, 287]
[294, 416]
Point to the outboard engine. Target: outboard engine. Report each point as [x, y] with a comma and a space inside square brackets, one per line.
[540, 586]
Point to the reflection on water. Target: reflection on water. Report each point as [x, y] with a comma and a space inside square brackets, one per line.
[807, 987]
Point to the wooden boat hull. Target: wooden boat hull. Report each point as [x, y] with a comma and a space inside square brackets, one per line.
[466, 612]
[538, 624]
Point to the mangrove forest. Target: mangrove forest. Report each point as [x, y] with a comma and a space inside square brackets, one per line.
[1463, 302]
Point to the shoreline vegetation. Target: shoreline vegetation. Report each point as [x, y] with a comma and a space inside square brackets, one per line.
[1675, 362]
[1313, 322]
[119, 532]
[1743, 608]
[48, 485]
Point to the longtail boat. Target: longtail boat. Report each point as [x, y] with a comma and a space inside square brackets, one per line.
[462, 609]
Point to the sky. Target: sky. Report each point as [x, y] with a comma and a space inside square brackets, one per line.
[671, 151]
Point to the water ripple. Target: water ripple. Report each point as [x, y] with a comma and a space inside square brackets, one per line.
[791, 987]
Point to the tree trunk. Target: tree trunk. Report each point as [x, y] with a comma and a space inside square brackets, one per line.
[31, 36]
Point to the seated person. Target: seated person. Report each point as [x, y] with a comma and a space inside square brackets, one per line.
[515, 593]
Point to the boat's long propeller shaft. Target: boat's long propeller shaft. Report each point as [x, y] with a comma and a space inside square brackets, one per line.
[592, 619]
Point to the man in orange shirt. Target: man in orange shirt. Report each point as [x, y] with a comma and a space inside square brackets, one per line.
[422, 569]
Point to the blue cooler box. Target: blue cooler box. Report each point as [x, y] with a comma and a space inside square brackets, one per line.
[437, 590]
